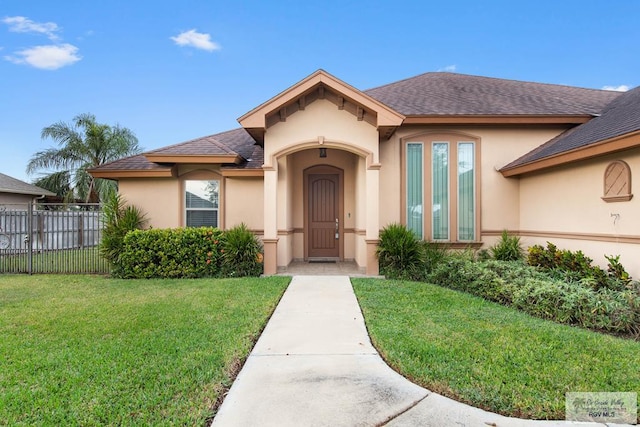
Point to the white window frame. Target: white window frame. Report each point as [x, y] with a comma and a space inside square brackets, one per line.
[188, 209]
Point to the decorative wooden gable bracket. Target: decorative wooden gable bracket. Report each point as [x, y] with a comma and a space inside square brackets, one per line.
[321, 85]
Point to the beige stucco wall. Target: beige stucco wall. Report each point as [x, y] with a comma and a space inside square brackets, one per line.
[320, 121]
[243, 202]
[565, 204]
[159, 198]
[162, 199]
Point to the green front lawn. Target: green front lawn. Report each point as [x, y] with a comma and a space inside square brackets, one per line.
[85, 350]
[488, 355]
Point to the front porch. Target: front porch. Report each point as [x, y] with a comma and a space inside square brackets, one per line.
[321, 141]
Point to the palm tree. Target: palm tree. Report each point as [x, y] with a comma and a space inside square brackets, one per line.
[83, 144]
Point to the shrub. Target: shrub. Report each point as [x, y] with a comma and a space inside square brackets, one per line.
[577, 267]
[432, 254]
[399, 253]
[119, 219]
[508, 248]
[171, 253]
[460, 272]
[545, 299]
[535, 292]
[616, 270]
[241, 253]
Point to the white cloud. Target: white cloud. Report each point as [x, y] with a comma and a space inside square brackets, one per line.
[449, 69]
[195, 39]
[20, 24]
[620, 88]
[50, 57]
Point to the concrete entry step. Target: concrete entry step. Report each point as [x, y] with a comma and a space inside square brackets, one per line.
[316, 268]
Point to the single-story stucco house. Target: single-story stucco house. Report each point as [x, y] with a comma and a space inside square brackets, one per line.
[319, 169]
[16, 194]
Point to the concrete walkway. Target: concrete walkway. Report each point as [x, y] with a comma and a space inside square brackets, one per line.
[314, 365]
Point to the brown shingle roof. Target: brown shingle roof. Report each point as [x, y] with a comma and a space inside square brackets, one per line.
[459, 94]
[204, 146]
[235, 142]
[621, 116]
[430, 94]
[137, 162]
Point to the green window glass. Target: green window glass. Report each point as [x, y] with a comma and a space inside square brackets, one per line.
[440, 190]
[466, 191]
[415, 181]
[201, 203]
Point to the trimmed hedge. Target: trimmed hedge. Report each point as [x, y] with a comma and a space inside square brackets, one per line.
[534, 292]
[189, 253]
[170, 253]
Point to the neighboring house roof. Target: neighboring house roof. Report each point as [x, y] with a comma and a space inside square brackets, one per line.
[460, 94]
[427, 98]
[620, 118]
[12, 185]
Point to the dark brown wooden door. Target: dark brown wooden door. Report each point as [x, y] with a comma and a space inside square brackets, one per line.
[323, 214]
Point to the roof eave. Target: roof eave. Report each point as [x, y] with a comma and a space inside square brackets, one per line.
[116, 174]
[27, 193]
[496, 119]
[242, 172]
[600, 148]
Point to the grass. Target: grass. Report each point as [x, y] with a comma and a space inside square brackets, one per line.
[488, 355]
[84, 350]
[66, 261]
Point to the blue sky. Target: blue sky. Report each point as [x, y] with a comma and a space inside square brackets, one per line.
[172, 71]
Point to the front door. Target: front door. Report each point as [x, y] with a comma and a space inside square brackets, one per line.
[323, 215]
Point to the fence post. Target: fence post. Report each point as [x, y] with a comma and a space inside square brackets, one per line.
[29, 238]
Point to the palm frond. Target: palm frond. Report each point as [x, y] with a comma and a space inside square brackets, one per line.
[84, 144]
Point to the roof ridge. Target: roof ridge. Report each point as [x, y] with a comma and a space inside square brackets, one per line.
[489, 78]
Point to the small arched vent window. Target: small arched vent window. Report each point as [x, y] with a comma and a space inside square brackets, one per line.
[617, 182]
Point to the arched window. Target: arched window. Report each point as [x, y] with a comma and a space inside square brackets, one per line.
[617, 182]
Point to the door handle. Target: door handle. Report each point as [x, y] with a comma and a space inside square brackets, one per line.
[337, 229]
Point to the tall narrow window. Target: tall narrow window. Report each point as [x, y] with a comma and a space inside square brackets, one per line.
[466, 191]
[415, 179]
[440, 190]
[201, 203]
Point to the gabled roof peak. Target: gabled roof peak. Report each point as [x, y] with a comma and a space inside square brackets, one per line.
[319, 85]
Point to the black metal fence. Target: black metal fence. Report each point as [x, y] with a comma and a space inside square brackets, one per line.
[51, 238]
